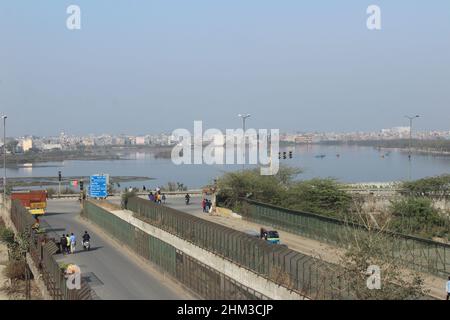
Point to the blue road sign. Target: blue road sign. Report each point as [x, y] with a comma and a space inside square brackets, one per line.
[98, 187]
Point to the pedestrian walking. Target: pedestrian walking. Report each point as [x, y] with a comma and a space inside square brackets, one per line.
[73, 243]
[208, 205]
[151, 197]
[68, 243]
[204, 205]
[448, 288]
[63, 244]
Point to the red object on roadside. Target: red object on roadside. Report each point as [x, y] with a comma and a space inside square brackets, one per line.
[34, 200]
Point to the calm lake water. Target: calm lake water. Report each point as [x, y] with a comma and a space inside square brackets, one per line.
[345, 163]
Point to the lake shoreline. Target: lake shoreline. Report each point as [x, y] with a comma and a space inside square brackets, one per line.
[112, 153]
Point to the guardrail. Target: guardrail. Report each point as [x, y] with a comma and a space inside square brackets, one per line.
[42, 250]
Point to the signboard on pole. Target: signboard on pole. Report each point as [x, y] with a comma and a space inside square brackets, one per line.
[98, 187]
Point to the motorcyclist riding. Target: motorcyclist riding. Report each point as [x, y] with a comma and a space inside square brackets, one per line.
[187, 197]
[86, 240]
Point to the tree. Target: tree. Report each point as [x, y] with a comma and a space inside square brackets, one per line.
[251, 184]
[371, 250]
[320, 196]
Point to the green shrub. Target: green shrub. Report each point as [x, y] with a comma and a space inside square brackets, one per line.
[416, 215]
[432, 186]
[6, 235]
[125, 197]
[320, 196]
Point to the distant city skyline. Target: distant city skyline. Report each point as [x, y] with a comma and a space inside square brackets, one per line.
[396, 129]
[155, 66]
[70, 142]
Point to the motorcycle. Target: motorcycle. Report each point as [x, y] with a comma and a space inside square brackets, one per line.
[187, 201]
[86, 245]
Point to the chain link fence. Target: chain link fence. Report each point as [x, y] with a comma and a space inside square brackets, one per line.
[419, 254]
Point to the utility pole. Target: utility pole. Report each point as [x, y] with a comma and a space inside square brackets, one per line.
[4, 159]
[244, 117]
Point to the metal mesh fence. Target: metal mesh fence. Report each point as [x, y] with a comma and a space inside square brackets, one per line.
[203, 280]
[309, 276]
[420, 254]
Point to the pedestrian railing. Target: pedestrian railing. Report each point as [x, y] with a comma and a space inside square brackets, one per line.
[419, 254]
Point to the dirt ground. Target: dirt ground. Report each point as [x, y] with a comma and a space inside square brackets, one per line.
[18, 291]
[3, 280]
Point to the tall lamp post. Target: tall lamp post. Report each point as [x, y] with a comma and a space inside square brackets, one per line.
[411, 118]
[244, 117]
[4, 159]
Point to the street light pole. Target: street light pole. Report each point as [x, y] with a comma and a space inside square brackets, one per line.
[411, 118]
[4, 159]
[244, 117]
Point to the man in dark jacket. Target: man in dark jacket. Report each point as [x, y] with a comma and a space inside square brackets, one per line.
[86, 236]
[63, 244]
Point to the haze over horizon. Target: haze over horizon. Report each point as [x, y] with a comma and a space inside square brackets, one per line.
[140, 67]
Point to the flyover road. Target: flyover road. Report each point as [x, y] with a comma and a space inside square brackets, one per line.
[295, 242]
[112, 271]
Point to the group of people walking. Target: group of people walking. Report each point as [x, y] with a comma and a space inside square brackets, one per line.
[67, 243]
[206, 205]
[157, 197]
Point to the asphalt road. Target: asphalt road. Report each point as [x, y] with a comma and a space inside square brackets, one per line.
[112, 272]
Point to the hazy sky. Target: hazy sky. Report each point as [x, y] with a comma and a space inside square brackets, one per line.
[149, 66]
